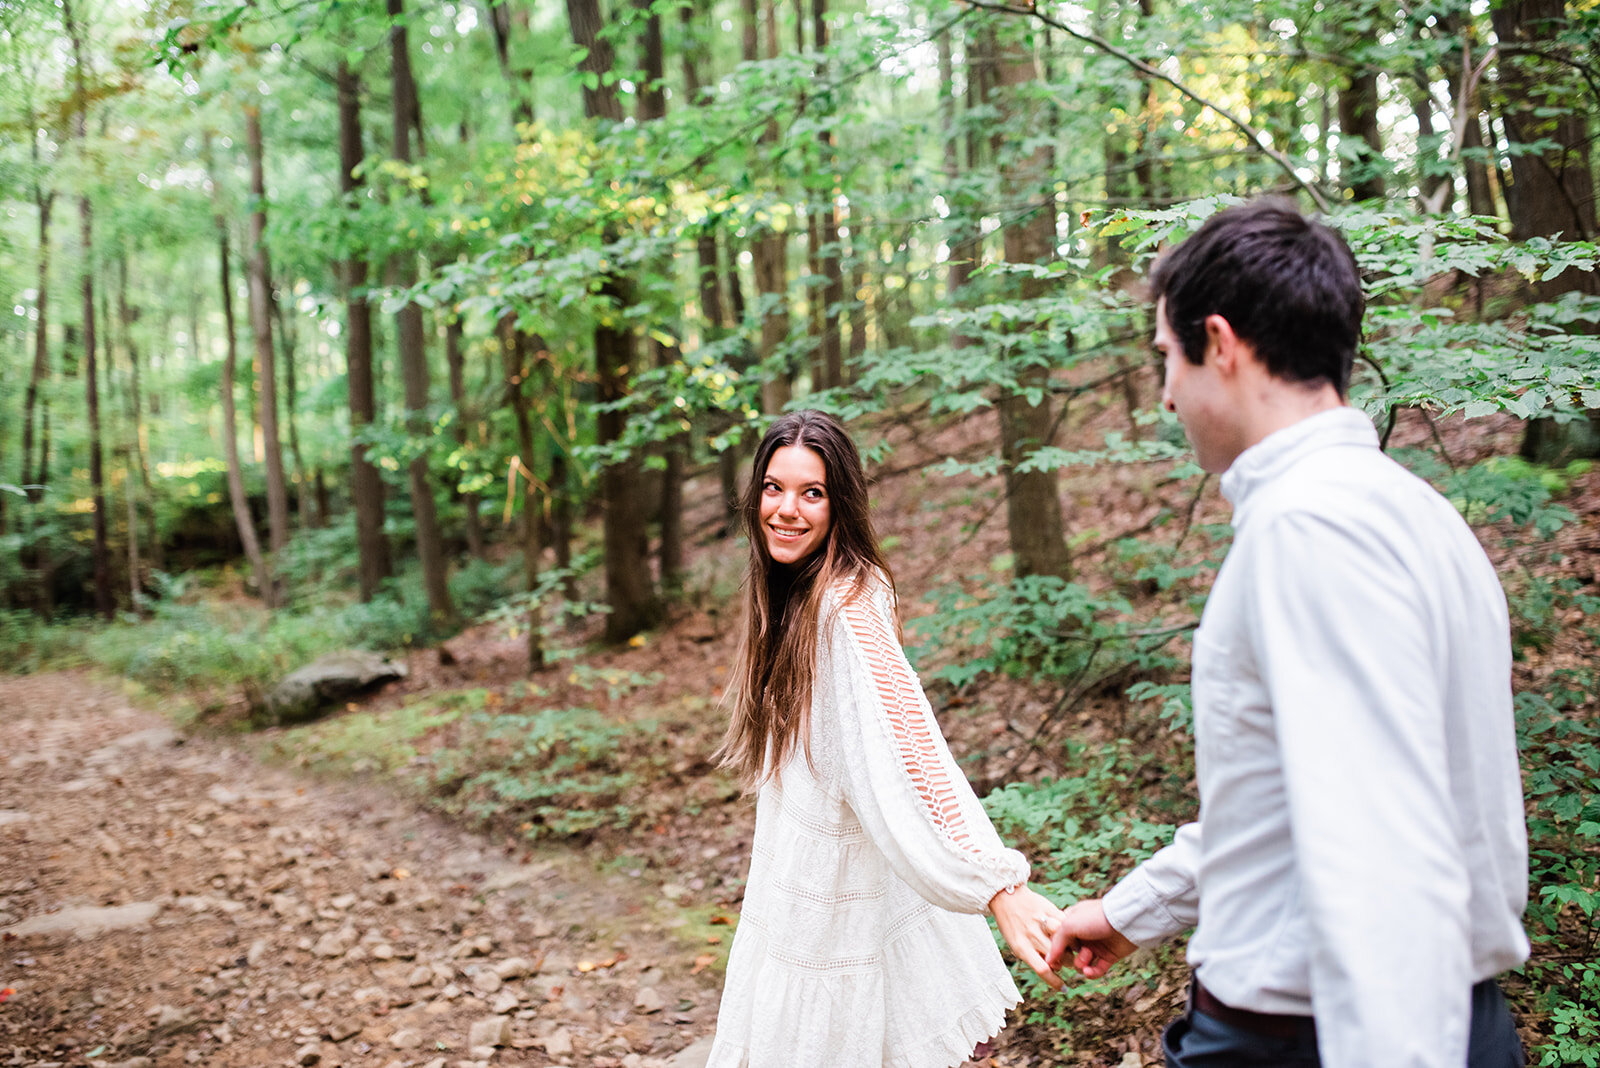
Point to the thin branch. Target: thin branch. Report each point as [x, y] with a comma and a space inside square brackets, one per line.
[1257, 139]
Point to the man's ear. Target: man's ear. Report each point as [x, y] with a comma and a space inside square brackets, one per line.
[1223, 345]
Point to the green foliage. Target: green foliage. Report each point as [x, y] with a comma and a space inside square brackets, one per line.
[1081, 831]
[559, 771]
[368, 741]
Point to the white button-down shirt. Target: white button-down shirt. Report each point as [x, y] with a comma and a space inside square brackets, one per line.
[1361, 853]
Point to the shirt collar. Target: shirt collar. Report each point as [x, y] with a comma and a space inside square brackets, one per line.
[1278, 451]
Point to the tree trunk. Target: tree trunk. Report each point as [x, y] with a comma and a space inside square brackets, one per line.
[260, 272]
[832, 270]
[1358, 123]
[517, 81]
[458, 396]
[41, 351]
[302, 478]
[652, 108]
[366, 485]
[105, 600]
[408, 326]
[517, 372]
[230, 361]
[1033, 506]
[137, 465]
[630, 592]
[1552, 185]
[769, 251]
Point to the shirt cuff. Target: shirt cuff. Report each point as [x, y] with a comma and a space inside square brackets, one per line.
[1137, 912]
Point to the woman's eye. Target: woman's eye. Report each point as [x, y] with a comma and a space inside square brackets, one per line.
[814, 494]
[770, 487]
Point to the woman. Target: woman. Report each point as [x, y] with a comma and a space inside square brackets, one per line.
[862, 942]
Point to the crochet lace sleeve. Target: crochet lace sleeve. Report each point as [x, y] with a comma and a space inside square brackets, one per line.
[899, 777]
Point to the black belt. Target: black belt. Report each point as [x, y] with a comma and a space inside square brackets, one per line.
[1268, 1024]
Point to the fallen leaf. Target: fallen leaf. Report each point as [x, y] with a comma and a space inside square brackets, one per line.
[592, 965]
[713, 940]
[401, 873]
[5, 994]
[719, 921]
[702, 962]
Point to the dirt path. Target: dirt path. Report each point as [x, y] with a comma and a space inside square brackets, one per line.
[170, 901]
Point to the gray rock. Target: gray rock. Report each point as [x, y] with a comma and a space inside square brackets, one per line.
[87, 922]
[649, 1000]
[405, 1038]
[694, 1056]
[308, 1054]
[302, 695]
[514, 968]
[490, 1031]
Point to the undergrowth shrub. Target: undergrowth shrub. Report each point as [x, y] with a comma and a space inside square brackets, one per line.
[559, 771]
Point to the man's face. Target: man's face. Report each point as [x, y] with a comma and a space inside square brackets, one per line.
[1196, 394]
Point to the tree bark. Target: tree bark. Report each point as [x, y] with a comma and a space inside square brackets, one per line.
[1033, 506]
[408, 326]
[260, 272]
[1358, 122]
[366, 485]
[302, 478]
[458, 396]
[652, 108]
[517, 372]
[1552, 186]
[242, 519]
[630, 592]
[832, 356]
[769, 249]
[518, 81]
[104, 598]
[40, 375]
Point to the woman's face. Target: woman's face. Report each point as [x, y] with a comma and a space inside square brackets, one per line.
[794, 504]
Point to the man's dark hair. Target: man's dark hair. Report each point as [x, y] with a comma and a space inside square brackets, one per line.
[1285, 283]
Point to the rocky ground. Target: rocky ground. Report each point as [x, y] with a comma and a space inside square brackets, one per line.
[167, 900]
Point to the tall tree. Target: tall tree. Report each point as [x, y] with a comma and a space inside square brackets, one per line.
[1552, 184]
[242, 519]
[652, 107]
[259, 269]
[630, 590]
[366, 485]
[105, 600]
[1033, 505]
[408, 324]
[770, 247]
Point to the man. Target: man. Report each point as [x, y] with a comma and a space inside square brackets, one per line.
[1359, 868]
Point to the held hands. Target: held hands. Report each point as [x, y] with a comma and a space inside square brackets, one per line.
[1085, 933]
[1027, 920]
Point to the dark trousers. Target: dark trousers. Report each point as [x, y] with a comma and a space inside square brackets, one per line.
[1201, 1041]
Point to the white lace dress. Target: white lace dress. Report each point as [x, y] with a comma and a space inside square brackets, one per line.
[862, 941]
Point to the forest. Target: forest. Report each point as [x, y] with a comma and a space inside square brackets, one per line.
[445, 329]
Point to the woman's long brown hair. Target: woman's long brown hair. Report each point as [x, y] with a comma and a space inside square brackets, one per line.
[772, 677]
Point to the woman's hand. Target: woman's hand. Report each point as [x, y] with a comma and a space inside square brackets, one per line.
[1027, 921]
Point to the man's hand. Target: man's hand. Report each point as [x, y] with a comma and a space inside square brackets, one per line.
[1027, 920]
[1085, 933]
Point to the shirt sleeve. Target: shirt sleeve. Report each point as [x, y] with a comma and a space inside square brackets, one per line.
[1161, 897]
[1349, 658]
[899, 778]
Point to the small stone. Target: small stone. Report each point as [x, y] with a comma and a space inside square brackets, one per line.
[405, 1038]
[310, 1053]
[257, 952]
[482, 946]
[383, 951]
[490, 1031]
[557, 1043]
[515, 968]
[343, 901]
[421, 975]
[368, 995]
[169, 1016]
[505, 1001]
[1131, 1060]
[311, 991]
[330, 945]
[649, 1000]
[487, 982]
[450, 992]
[340, 1030]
